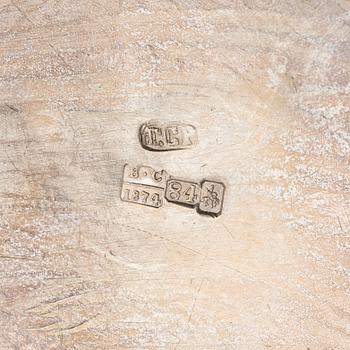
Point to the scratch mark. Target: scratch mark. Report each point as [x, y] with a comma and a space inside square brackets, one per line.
[6, 313]
[61, 57]
[340, 225]
[56, 300]
[74, 326]
[42, 327]
[99, 5]
[79, 239]
[194, 251]
[195, 301]
[229, 232]
[10, 160]
[12, 108]
[22, 13]
[293, 83]
[17, 257]
[192, 309]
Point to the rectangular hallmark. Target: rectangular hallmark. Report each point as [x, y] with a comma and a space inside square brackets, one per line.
[142, 194]
[183, 192]
[147, 186]
[145, 175]
[157, 136]
[212, 197]
[143, 185]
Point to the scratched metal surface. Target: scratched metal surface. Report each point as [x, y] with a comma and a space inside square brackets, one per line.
[266, 84]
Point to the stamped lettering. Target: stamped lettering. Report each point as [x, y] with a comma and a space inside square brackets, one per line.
[147, 186]
[156, 136]
[145, 175]
[144, 185]
[136, 193]
[183, 192]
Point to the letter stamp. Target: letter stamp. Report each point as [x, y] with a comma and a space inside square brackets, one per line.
[143, 185]
[157, 136]
[145, 175]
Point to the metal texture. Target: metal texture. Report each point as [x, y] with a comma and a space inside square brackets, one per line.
[266, 84]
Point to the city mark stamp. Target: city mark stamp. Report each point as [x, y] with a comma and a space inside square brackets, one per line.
[212, 197]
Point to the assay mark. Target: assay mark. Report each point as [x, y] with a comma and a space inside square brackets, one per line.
[147, 186]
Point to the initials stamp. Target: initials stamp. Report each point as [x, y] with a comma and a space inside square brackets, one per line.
[156, 136]
[145, 175]
[183, 192]
[143, 185]
[212, 197]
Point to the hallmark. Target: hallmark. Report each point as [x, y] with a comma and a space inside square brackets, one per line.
[212, 198]
[143, 185]
[147, 186]
[140, 194]
[145, 175]
[183, 192]
[157, 136]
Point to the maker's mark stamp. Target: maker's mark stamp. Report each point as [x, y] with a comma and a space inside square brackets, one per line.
[143, 185]
[145, 175]
[157, 136]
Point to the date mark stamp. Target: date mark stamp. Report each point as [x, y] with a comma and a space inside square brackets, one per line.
[143, 185]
